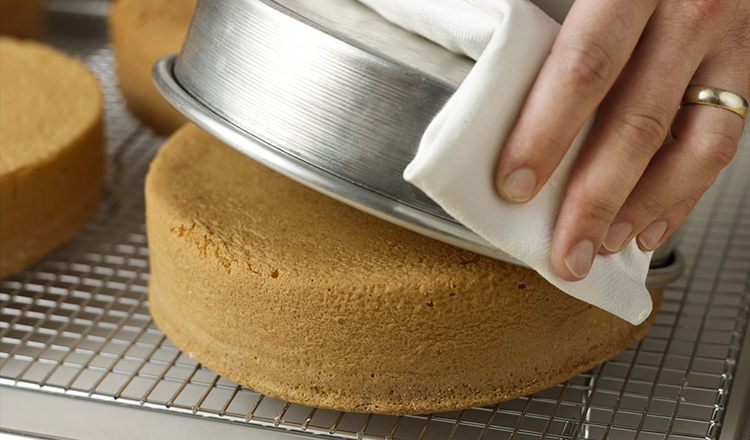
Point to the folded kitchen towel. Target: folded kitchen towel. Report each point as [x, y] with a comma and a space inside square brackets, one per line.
[456, 161]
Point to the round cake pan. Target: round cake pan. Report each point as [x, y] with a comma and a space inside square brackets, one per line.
[332, 95]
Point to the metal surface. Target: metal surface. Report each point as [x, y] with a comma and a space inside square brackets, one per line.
[332, 96]
[737, 421]
[348, 113]
[76, 325]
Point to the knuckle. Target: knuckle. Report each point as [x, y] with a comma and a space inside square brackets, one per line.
[681, 209]
[716, 150]
[600, 209]
[644, 131]
[702, 13]
[588, 66]
[692, 200]
[547, 144]
[736, 41]
[651, 205]
[722, 147]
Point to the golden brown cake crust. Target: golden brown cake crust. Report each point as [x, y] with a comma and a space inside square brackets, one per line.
[22, 18]
[52, 154]
[143, 31]
[303, 298]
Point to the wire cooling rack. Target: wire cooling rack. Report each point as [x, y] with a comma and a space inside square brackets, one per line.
[76, 323]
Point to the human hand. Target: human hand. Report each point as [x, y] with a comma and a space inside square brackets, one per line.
[633, 177]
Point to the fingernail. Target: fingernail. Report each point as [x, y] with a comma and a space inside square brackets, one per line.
[652, 235]
[579, 258]
[519, 185]
[616, 236]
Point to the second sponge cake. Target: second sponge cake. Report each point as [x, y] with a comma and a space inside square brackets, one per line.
[143, 31]
[51, 150]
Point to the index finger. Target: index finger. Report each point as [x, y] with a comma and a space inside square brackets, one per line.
[592, 48]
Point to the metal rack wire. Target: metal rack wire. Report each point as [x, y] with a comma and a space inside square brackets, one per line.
[76, 323]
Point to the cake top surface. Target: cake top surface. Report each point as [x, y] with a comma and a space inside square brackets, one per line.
[47, 99]
[215, 188]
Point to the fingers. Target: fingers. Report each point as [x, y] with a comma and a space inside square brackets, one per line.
[704, 141]
[633, 123]
[667, 223]
[593, 46]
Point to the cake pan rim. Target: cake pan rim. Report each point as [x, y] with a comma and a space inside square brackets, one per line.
[331, 185]
[314, 177]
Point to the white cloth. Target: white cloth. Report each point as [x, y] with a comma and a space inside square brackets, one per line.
[457, 157]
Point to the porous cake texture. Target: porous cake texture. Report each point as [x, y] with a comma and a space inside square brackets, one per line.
[51, 150]
[303, 298]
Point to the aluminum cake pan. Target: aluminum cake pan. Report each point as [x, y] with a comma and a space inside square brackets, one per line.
[332, 95]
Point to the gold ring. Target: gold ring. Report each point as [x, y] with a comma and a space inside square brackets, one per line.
[717, 98]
